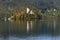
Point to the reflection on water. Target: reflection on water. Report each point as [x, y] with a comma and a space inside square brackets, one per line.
[29, 26]
[37, 29]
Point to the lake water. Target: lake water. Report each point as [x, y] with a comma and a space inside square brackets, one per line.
[44, 29]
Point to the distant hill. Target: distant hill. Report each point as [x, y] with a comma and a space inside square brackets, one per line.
[41, 3]
[36, 3]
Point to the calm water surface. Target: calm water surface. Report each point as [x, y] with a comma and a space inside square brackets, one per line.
[45, 29]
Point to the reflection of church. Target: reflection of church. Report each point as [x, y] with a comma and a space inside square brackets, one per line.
[29, 25]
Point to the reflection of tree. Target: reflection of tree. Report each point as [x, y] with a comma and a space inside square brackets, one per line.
[36, 27]
[52, 25]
